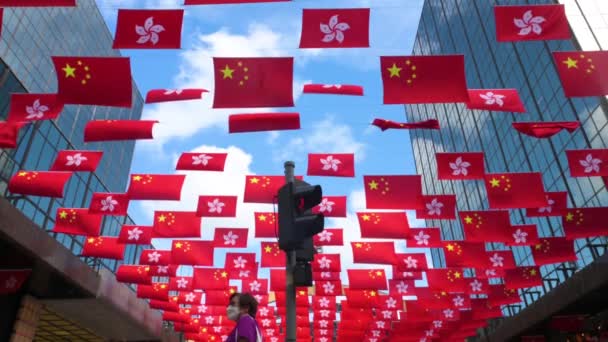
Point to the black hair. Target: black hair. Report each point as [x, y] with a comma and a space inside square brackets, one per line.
[246, 300]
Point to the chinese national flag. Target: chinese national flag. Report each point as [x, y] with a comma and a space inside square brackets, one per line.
[374, 253]
[515, 190]
[424, 79]
[192, 252]
[329, 237]
[266, 225]
[331, 206]
[33, 107]
[253, 82]
[156, 187]
[72, 160]
[393, 192]
[155, 257]
[545, 129]
[523, 277]
[438, 207]
[367, 279]
[77, 221]
[9, 133]
[218, 2]
[424, 238]
[585, 222]
[461, 166]
[135, 274]
[523, 235]
[37, 3]
[263, 189]
[483, 226]
[135, 235]
[171, 224]
[159, 291]
[464, 254]
[12, 280]
[335, 28]
[272, 255]
[216, 206]
[531, 22]
[450, 280]
[278, 281]
[497, 100]
[163, 305]
[557, 202]
[195, 161]
[109, 204]
[331, 164]
[384, 124]
[210, 278]
[148, 29]
[102, 81]
[337, 89]
[500, 295]
[103, 247]
[169, 95]
[588, 163]
[583, 72]
[378, 225]
[553, 251]
[259, 122]
[113, 130]
[39, 183]
[230, 237]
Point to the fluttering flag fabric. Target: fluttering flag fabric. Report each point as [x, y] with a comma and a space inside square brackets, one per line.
[242, 123]
[74, 160]
[253, 82]
[77, 221]
[159, 291]
[37, 3]
[481, 226]
[523, 277]
[271, 255]
[553, 251]
[588, 163]
[425, 238]
[112, 130]
[263, 189]
[34, 107]
[219, 2]
[497, 100]
[461, 165]
[156, 187]
[531, 22]
[393, 192]
[329, 237]
[201, 161]
[335, 28]
[582, 73]
[384, 124]
[12, 280]
[216, 206]
[585, 222]
[148, 29]
[557, 202]
[171, 224]
[545, 129]
[230, 237]
[331, 206]
[523, 235]
[134, 274]
[423, 79]
[103, 81]
[135, 235]
[192, 252]
[106, 247]
[438, 207]
[266, 225]
[169, 95]
[331, 164]
[39, 183]
[336, 89]
[9, 133]
[374, 253]
[367, 279]
[155, 257]
[383, 225]
[210, 278]
[515, 190]
[109, 204]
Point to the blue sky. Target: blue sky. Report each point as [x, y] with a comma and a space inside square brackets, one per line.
[329, 123]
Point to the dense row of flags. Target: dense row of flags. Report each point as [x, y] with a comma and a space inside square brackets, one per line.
[458, 299]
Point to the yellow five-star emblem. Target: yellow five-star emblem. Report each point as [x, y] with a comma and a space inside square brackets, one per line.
[254, 180]
[69, 71]
[162, 218]
[468, 220]
[268, 249]
[227, 72]
[137, 178]
[571, 63]
[63, 215]
[178, 245]
[494, 182]
[569, 217]
[365, 217]
[373, 185]
[394, 70]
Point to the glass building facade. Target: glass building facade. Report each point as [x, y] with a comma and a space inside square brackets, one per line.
[30, 36]
[467, 27]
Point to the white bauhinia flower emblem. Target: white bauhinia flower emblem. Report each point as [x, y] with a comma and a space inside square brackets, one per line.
[324, 313]
[254, 286]
[371, 339]
[492, 98]
[529, 23]
[520, 236]
[434, 208]
[325, 274]
[240, 262]
[265, 322]
[324, 302]
[173, 91]
[201, 159]
[334, 30]
[264, 312]
[149, 32]
[326, 205]
[108, 204]
[591, 164]
[330, 163]
[387, 314]
[324, 262]
[376, 333]
[244, 274]
[328, 287]
[380, 324]
[202, 309]
[323, 324]
[230, 238]
[476, 285]
[448, 313]
[276, 339]
[490, 273]
[216, 206]
[437, 324]
[549, 206]
[329, 86]
[209, 319]
[134, 233]
[10, 283]
[402, 287]
[36, 110]
[322, 339]
[407, 274]
[458, 301]
[325, 236]
[410, 262]
[460, 167]
[429, 333]
[190, 297]
[162, 269]
[76, 159]
[422, 239]
[182, 283]
[391, 303]
[497, 260]
[154, 257]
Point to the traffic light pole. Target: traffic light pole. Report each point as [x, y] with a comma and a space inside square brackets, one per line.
[289, 270]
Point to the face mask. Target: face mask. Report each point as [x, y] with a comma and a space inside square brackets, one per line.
[232, 312]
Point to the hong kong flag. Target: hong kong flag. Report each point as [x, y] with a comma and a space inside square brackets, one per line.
[230, 237]
[332, 164]
[384, 124]
[336, 89]
[77, 221]
[438, 207]
[103, 247]
[37, 3]
[393, 192]
[497, 100]
[545, 129]
[582, 73]
[216, 206]
[169, 224]
[72, 160]
[192, 252]
[557, 202]
[460, 166]
[201, 161]
[531, 22]
[148, 29]
[135, 235]
[113, 130]
[34, 107]
[329, 237]
[411, 262]
[523, 235]
[588, 163]
[259, 122]
[39, 183]
[335, 28]
[383, 225]
[424, 238]
[169, 95]
[9, 133]
[156, 187]
[515, 190]
[155, 257]
[266, 225]
[109, 204]
[331, 206]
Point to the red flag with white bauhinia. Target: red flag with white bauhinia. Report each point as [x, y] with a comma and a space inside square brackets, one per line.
[331, 206]
[523, 235]
[201, 161]
[477, 286]
[367, 279]
[192, 252]
[73, 160]
[148, 29]
[585, 222]
[181, 283]
[135, 235]
[12, 280]
[189, 298]
[383, 225]
[77, 221]
[555, 250]
[500, 260]
[171, 95]
[329, 237]
[557, 202]
[438, 207]
[134, 274]
[171, 224]
[239, 261]
[374, 253]
[483, 226]
[542, 130]
[9, 133]
[230, 237]
[216, 206]
[272, 255]
[582, 73]
[523, 277]
[393, 192]
[163, 270]
[411, 262]
[109, 204]
[335, 28]
[34, 107]
[497, 100]
[155, 257]
[266, 225]
[325, 262]
[331, 164]
[406, 275]
[328, 288]
[156, 187]
[401, 287]
[588, 163]
[106, 247]
[336, 89]
[460, 165]
[255, 286]
[424, 238]
[39, 183]
[531, 22]
[116, 130]
[515, 190]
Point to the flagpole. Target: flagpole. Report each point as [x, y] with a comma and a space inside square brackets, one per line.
[289, 268]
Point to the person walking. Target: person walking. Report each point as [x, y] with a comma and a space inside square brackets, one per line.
[242, 309]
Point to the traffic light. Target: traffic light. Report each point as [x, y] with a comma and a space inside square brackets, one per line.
[297, 223]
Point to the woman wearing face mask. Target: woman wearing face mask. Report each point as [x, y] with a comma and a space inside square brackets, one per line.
[242, 309]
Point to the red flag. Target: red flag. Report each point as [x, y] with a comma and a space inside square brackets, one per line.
[324, 262]
[148, 29]
[545, 129]
[466, 165]
[155, 257]
[136, 274]
[523, 235]
[523, 277]
[425, 238]
[331, 164]
[401, 287]
[239, 261]
[253, 82]
[33, 107]
[201, 161]
[163, 270]
[393, 192]
[266, 225]
[217, 2]
[12, 280]
[241, 123]
[156, 187]
[331, 206]
[263, 189]
[109, 204]
[553, 251]
[499, 295]
[588, 163]
[557, 202]
[103, 81]
[272, 255]
[374, 253]
[112, 130]
[423, 79]
[192, 252]
[255, 286]
[210, 278]
[170, 224]
[230, 238]
[163, 305]
[329, 237]
[216, 206]
[500, 260]
[531, 22]
[72, 160]
[497, 100]
[585, 222]
[411, 262]
[37, 3]
[438, 207]
[9, 133]
[158, 291]
[180, 284]
[39, 183]
[337, 89]
[450, 280]
[103, 247]
[464, 254]
[367, 279]
[77, 221]
[135, 235]
[384, 124]
[335, 28]
[515, 190]
[582, 72]
[383, 225]
[482, 226]
[169, 95]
